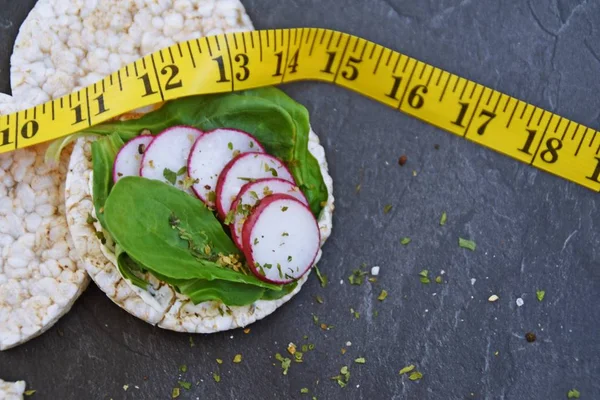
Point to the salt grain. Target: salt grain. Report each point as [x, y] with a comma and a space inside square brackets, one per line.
[520, 302]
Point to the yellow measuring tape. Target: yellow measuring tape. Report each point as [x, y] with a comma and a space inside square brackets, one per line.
[238, 61]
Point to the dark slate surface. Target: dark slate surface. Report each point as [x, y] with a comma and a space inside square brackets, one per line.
[533, 231]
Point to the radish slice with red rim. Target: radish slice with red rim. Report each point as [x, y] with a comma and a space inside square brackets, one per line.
[166, 157]
[250, 195]
[281, 239]
[211, 153]
[129, 157]
[247, 167]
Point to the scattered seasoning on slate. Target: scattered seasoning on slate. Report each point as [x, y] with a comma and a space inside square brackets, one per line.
[573, 394]
[415, 376]
[402, 160]
[343, 378]
[443, 218]
[285, 363]
[466, 244]
[530, 337]
[322, 277]
[406, 369]
[540, 294]
[291, 348]
[357, 276]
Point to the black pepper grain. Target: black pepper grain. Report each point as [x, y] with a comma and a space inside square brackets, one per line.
[530, 337]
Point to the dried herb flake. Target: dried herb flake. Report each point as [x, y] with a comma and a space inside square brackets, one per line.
[443, 218]
[406, 369]
[466, 244]
[540, 294]
[405, 241]
[170, 176]
[383, 295]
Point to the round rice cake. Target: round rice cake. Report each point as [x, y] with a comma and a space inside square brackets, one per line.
[12, 390]
[64, 45]
[39, 279]
[165, 307]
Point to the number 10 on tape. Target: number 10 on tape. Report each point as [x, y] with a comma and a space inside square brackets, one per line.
[245, 60]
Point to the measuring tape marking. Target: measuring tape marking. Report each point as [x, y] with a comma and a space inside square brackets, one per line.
[245, 60]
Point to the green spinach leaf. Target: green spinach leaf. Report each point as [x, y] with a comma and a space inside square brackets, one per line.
[230, 293]
[104, 151]
[128, 268]
[168, 231]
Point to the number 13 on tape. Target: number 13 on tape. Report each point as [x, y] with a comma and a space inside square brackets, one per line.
[245, 60]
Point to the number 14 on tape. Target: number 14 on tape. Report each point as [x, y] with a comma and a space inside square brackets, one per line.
[246, 60]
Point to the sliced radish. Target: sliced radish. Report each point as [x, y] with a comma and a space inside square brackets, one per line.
[246, 167]
[211, 153]
[129, 158]
[250, 195]
[166, 157]
[281, 239]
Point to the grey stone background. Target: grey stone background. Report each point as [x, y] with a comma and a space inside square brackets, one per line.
[533, 231]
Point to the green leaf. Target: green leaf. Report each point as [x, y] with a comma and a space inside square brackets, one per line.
[129, 269]
[104, 151]
[387, 208]
[138, 212]
[443, 218]
[540, 294]
[360, 360]
[573, 394]
[405, 241]
[466, 244]
[383, 295]
[29, 392]
[304, 390]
